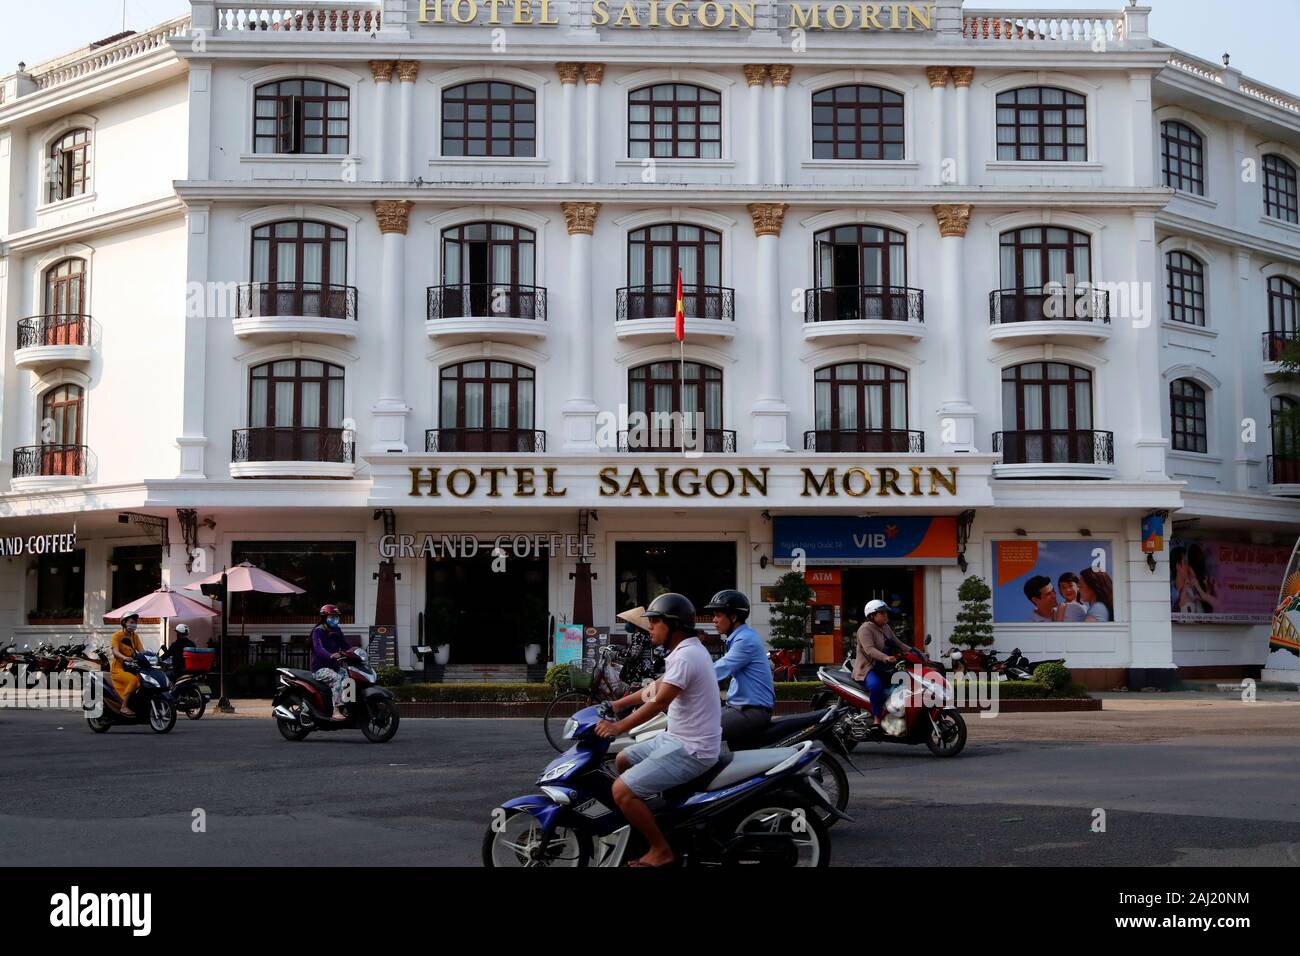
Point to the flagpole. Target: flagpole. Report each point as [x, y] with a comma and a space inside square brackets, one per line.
[680, 331]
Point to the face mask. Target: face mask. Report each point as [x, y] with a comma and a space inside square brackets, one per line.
[332, 621]
[130, 628]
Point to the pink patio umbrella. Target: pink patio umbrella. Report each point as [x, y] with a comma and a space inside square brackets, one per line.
[164, 603]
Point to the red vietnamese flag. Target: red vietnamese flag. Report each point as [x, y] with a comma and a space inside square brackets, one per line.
[681, 314]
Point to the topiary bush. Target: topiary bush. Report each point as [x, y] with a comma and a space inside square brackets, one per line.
[557, 678]
[391, 676]
[974, 626]
[1052, 675]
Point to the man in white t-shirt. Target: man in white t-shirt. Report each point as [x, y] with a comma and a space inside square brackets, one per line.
[693, 742]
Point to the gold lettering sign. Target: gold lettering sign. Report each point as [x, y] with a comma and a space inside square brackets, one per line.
[685, 14]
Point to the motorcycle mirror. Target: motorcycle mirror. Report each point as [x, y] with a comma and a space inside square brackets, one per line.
[928, 640]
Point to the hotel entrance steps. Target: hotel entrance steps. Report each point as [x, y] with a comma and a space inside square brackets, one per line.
[485, 674]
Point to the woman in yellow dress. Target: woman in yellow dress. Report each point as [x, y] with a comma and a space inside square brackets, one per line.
[125, 646]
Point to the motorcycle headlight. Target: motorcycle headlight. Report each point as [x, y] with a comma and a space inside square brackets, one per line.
[557, 772]
[148, 680]
[570, 729]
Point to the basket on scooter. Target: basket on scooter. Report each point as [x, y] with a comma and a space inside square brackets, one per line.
[199, 659]
[582, 676]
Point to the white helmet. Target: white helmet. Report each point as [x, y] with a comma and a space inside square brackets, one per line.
[874, 606]
[182, 629]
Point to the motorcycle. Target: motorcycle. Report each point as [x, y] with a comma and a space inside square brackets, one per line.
[918, 709]
[785, 664]
[189, 683]
[303, 702]
[152, 702]
[1015, 667]
[755, 807]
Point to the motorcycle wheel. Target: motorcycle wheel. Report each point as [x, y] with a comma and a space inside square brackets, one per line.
[558, 713]
[777, 813]
[949, 745]
[99, 725]
[510, 843]
[381, 721]
[190, 701]
[162, 716]
[832, 778]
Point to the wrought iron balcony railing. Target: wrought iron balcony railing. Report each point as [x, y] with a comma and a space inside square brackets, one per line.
[1283, 469]
[1055, 446]
[1049, 304]
[710, 441]
[660, 302]
[864, 302]
[896, 441]
[487, 300]
[1276, 344]
[276, 299]
[518, 440]
[67, 329]
[31, 461]
[287, 443]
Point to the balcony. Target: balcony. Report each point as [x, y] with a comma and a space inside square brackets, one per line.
[296, 310]
[291, 452]
[48, 341]
[50, 467]
[708, 441]
[1055, 453]
[870, 441]
[1046, 313]
[520, 441]
[478, 310]
[1284, 475]
[651, 312]
[851, 312]
[1275, 346]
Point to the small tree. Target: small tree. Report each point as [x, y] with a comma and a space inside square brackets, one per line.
[975, 619]
[790, 612]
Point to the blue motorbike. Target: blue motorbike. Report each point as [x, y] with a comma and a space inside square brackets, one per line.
[754, 807]
[152, 703]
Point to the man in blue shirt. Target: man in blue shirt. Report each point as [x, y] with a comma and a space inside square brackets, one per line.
[751, 696]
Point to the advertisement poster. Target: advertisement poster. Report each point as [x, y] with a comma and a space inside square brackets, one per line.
[568, 643]
[1285, 633]
[865, 541]
[1044, 582]
[1226, 582]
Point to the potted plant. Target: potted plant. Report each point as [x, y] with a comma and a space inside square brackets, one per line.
[974, 626]
[440, 620]
[55, 615]
[533, 624]
[789, 616]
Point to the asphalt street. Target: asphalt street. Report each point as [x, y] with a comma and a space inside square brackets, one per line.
[1216, 787]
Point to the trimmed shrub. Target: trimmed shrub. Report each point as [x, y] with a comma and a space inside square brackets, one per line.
[1052, 675]
[391, 676]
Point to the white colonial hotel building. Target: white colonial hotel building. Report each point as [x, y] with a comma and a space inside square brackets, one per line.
[278, 280]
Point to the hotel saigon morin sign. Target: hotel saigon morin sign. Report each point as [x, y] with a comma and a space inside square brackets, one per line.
[683, 14]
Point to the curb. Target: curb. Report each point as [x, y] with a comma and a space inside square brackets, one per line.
[534, 709]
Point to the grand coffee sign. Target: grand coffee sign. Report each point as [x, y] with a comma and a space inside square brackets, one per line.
[682, 14]
[612, 481]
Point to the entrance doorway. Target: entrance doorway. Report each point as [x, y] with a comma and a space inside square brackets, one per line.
[899, 587]
[487, 616]
[646, 569]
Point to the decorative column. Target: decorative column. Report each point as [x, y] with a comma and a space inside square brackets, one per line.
[938, 77]
[1151, 443]
[580, 410]
[568, 83]
[770, 415]
[382, 71]
[193, 441]
[956, 413]
[755, 76]
[1143, 152]
[780, 73]
[408, 71]
[962, 77]
[389, 411]
[592, 75]
[1246, 458]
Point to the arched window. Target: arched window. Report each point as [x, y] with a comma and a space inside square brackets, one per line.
[861, 274]
[1280, 189]
[1182, 150]
[1047, 413]
[1283, 315]
[487, 269]
[487, 406]
[301, 116]
[1186, 288]
[63, 318]
[676, 407]
[1033, 258]
[295, 412]
[674, 121]
[861, 407]
[1187, 416]
[301, 268]
[63, 412]
[489, 118]
[1042, 124]
[857, 122]
[656, 253]
[1284, 431]
[69, 166]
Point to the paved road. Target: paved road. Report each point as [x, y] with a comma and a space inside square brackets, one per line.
[1209, 783]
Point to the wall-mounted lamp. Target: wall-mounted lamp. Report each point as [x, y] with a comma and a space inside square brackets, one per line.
[209, 523]
[1021, 532]
[1151, 562]
[961, 562]
[762, 561]
[765, 515]
[1085, 532]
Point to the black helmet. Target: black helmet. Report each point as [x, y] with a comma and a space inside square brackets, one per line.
[730, 602]
[676, 609]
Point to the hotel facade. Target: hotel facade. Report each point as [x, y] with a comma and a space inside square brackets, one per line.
[366, 292]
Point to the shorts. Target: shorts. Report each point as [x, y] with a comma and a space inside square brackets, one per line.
[660, 763]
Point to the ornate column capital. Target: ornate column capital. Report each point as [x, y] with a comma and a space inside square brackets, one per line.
[393, 214]
[755, 73]
[768, 217]
[381, 70]
[593, 73]
[953, 219]
[963, 76]
[780, 73]
[568, 72]
[408, 71]
[580, 217]
[938, 76]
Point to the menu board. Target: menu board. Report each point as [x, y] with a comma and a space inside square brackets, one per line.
[383, 646]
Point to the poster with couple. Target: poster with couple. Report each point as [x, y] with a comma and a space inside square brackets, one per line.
[1052, 582]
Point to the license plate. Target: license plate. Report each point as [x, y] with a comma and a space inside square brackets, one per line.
[205, 690]
[1002, 677]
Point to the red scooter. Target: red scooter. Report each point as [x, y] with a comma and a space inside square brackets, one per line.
[918, 709]
[304, 702]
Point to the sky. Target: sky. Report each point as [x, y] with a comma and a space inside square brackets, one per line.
[1260, 34]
